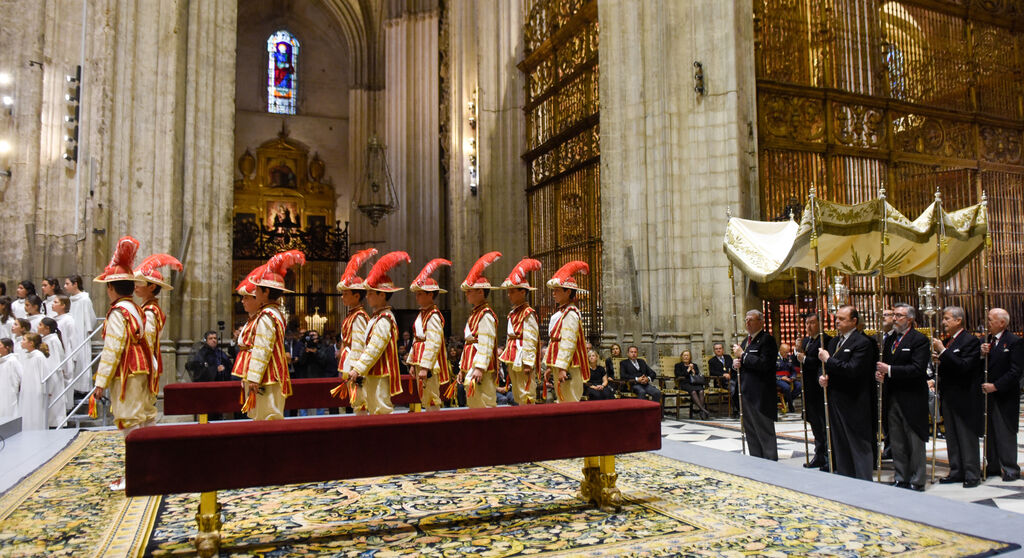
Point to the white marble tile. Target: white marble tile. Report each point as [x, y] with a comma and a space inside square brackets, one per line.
[689, 437]
[732, 444]
[1012, 505]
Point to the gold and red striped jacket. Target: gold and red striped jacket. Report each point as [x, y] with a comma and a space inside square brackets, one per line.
[480, 333]
[521, 347]
[380, 355]
[155, 319]
[262, 358]
[125, 353]
[428, 350]
[353, 333]
[568, 348]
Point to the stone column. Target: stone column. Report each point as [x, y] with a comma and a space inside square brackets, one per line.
[672, 160]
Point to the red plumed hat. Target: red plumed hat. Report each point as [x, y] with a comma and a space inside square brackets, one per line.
[120, 266]
[476, 279]
[517, 279]
[148, 272]
[377, 279]
[424, 282]
[349, 280]
[247, 287]
[277, 268]
[564, 276]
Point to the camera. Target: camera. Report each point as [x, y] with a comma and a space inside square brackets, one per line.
[311, 340]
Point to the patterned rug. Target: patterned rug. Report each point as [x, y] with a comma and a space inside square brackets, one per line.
[673, 508]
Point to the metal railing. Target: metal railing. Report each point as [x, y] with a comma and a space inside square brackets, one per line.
[59, 398]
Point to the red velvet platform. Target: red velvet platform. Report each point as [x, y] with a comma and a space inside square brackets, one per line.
[197, 398]
[208, 457]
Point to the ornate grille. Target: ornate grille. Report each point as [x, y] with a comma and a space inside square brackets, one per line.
[562, 141]
[914, 94]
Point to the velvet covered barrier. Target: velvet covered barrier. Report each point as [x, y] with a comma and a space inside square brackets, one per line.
[225, 455]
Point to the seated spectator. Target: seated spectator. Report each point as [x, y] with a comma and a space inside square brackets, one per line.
[786, 375]
[609, 364]
[209, 363]
[502, 387]
[597, 388]
[689, 379]
[720, 366]
[635, 369]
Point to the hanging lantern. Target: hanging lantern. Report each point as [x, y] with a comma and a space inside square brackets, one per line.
[376, 196]
[838, 295]
[926, 299]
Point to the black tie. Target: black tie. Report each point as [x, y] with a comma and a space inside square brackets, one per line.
[840, 345]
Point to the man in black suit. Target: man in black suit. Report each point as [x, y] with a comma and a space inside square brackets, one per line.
[636, 369]
[960, 397]
[814, 395]
[1005, 361]
[755, 359]
[720, 366]
[849, 370]
[903, 373]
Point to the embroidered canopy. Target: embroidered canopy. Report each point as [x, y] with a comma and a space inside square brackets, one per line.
[850, 237]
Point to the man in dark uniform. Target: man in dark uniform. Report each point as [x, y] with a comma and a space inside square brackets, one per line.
[755, 359]
[903, 373]
[1005, 361]
[720, 365]
[849, 370]
[814, 396]
[960, 398]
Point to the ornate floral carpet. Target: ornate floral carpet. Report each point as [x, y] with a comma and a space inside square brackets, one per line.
[673, 508]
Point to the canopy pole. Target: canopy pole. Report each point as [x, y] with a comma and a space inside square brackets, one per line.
[880, 442]
[939, 228]
[986, 269]
[812, 206]
[803, 392]
[736, 336]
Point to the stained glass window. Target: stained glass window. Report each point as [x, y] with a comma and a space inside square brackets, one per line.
[282, 75]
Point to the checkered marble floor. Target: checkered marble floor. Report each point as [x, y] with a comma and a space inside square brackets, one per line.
[724, 434]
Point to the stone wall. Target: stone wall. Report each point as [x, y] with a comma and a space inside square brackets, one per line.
[671, 161]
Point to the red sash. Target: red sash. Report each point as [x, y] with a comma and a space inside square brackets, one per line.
[346, 333]
[579, 355]
[469, 352]
[161, 319]
[136, 357]
[444, 375]
[387, 364]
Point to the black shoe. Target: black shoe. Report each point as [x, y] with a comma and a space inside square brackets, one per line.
[972, 483]
[704, 415]
[1011, 478]
[901, 484]
[814, 464]
[950, 480]
[917, 487]
[824, 468]
[887, 454]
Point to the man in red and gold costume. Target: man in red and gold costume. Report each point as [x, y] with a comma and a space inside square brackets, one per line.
[378, 364]
[521, 353]
[262, 363]
[125, 364]
[428, 360]
[479, 365]
[353, 329]
[567, 350]
[153, 316]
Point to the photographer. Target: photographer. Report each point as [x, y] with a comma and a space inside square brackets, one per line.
[316, 359]
[209, 363]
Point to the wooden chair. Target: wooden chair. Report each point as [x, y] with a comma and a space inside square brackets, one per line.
[666, 373]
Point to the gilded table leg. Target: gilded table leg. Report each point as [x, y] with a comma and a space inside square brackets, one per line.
[598, 484]
[208, 539]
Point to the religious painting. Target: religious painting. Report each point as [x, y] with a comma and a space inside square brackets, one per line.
[283, 215]
[282, 76]
[316, 221]
[281, 174]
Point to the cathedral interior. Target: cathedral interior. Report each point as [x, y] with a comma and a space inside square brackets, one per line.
[623, 133]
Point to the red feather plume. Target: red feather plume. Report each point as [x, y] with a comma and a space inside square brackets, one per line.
[357, 261]
[572, 267]
[430, 268]
[282, 262]
[384, 265]
[519, 272]
[149, 265]
[253, 275]
[481, 264]
[124, 255]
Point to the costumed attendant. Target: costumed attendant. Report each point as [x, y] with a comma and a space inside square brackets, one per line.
[34, 393]
[149, 284]
[125, 362]
[567, 351]
[479, 364]
[85, 318]
[51, 290]
[264, 364]
[11, 373]
[54, 341]
[353, 330]
[522, 352]
[69, 333]
[379, 364]
[428, 356]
